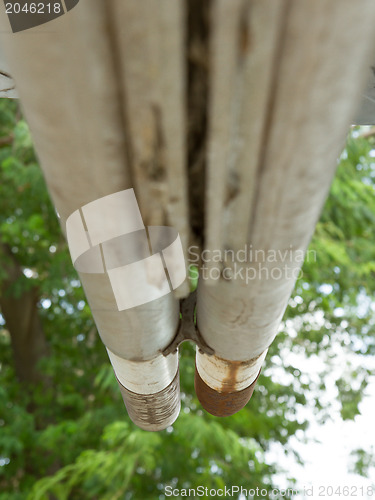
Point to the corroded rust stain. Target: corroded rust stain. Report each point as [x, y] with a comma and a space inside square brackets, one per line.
[244, 38]
[222, 404]
[152, 412]
[229, 384]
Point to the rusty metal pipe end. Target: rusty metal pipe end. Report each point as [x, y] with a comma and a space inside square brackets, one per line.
[221, 404]
[153, 412]
[223, 386]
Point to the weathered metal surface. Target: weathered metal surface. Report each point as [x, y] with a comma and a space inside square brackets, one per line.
[222, 404]
[315, 87]
[145, 377]
[224, 375]
[68, 83]
[153, 412]
[149, 37]
[365, 114]
[243, 51]
[271, 173]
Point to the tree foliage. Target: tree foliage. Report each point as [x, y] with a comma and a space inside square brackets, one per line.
[68, 435]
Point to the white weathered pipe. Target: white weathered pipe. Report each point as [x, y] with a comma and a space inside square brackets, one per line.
[314, 85]
[66, 78]
[149, 389]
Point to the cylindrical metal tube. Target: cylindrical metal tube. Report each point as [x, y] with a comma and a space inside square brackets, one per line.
[269, 168]
[224, 387]
[150, 389]
[121, 268]
[84, 158]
